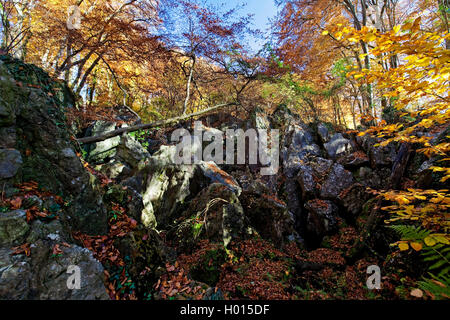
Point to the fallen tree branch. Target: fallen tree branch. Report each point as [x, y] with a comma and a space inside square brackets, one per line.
[160, 123]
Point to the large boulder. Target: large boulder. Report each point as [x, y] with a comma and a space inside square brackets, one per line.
[323, 132]
[123, 158]
[13, 227]
[102, 151]
[43, 151]
[211, 171]
[43, 273]
[312, 175]
[215, 214]
[379, 156]
[130, 151]
[169, 186]
[44, 278]
[321, 219]
[354, 160]
[298, 144]
[353, 199]
[10, 163]
[337, 146]
[375, 179]
[337, 181]
[269, 216]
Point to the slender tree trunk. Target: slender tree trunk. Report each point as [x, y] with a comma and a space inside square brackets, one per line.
[188, 85]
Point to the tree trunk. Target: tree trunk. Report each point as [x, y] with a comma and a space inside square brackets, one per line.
[188, 86]
[161, 123]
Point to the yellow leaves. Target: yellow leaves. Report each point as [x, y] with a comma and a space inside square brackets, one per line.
[416, 246]
[359, 76]
[401, 200]
[442, 238]
[426, 123]
[427, 206]
[326, 32]
[434, 239]
[362, 56]
[430, 241]
[397, 28]
[403, 246]
[416, 24]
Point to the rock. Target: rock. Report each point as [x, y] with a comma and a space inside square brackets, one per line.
[383, 156]
[15, 276]
[7, 114]
[147, 252]
[293, 201]
[249, 183]
[8, 137]
[379, 156]
[337, 181]
[38, 277]
[47, 231]
[101, 152]
[13, 227]
[168, 186]
[298, 144]
[68, 153]
[131, 151]
[424, 174]
[269, 216]
[321, 219]
[115, 170]
[128, 198]
[353, 199]
[375, 179]
[215, 174]
[223, 217]
[45, 145]
[312, 174]
[354, 160]
[323, 132]
[10, 163]
[166, 190]
[337, 146]
[55, 277]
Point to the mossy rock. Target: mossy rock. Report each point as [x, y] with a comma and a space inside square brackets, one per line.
[117, 194]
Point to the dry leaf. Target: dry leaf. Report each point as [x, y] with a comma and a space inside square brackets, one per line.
[417, 293]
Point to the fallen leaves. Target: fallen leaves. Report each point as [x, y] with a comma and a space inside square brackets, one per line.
[16, 203]
[22, 249]
[26, 199]
[175, 282]
[417, 293]
[104, 250]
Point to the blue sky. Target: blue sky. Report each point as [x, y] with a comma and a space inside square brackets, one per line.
[263, 10]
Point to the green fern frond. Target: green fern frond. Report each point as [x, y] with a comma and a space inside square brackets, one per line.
[437, 287]
[410, 233]
[439, 258]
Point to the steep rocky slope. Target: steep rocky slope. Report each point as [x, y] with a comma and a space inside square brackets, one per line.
[139, 226]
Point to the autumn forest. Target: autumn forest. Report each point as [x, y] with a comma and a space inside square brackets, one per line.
[97, 95]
